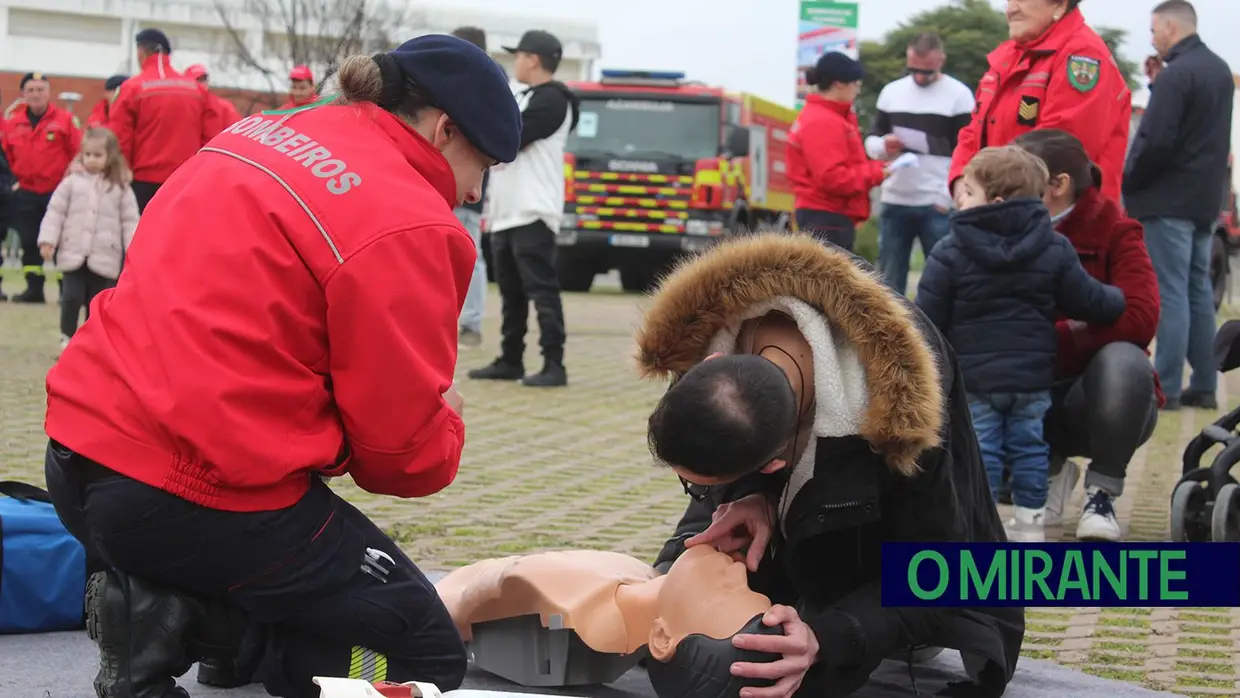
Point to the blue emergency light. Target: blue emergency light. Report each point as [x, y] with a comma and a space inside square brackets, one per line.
[642, 75]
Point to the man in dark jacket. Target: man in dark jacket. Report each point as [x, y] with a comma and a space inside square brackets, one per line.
[994, 287]
[902, 467]
[1174, 184]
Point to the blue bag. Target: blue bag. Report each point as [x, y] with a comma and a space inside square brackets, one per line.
[42, 567]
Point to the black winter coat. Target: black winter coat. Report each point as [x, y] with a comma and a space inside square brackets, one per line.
[995, 287]
[1177, 167]
[862, 492]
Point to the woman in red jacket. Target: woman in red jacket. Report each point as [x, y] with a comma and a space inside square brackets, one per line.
[1106, 405]
[830, 172]
[193, 420]
[1055, 72]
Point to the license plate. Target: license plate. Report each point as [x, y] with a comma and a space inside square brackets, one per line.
[630, 241]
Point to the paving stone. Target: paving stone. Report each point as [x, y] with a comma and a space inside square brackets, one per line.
[569, 468]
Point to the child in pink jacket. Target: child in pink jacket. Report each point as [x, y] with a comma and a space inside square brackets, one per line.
[89, 224]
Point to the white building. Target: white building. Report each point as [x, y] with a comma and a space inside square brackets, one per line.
[94, 38]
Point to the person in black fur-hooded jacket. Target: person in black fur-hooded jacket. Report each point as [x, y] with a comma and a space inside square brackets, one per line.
[815, 414]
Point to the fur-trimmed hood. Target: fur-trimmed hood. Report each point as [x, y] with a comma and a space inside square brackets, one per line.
[709, 293]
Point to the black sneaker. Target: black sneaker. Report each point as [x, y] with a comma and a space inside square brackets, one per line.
[141, 631]
[553, 375]
[1199, 400]
[3, 297]
[28, 297]
[498, 370]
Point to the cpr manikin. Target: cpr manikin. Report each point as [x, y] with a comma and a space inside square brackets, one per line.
[617, 605]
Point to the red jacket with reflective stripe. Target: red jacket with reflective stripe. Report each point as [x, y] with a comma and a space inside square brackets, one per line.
[40, 154]
[294, 103]
[288, 307]
[1065, 79]
[827, 164]
[99, 114]
[161, 119]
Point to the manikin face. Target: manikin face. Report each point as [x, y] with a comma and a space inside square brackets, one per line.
[1029, 19]
[37, 93]
[300, 90]
[706, 592]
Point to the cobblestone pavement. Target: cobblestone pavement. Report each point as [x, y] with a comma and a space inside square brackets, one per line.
[569, 468]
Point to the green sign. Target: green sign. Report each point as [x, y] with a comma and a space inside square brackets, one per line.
[830, 14]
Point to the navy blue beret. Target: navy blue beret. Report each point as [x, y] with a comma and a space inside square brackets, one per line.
[836, 67]
[470, 87]
[114, 82]
[155, 37]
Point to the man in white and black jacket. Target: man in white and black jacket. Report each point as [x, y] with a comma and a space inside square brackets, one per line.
[525, 210]
[920, 113]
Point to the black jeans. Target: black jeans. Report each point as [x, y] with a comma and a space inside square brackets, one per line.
[79, 288]
[28, 211]
[525, 271]
[835, 228]
[144, 192]
[1105, 414]
[325, 588]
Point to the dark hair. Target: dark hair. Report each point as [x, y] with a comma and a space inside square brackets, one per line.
[150, 47]
[549, 63]
[473, 35]
[1073, 4]
[1063, 153]
[926, 43]
[1179, 9]
[725, 418]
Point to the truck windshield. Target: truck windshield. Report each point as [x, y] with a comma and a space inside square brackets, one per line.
[646, 128]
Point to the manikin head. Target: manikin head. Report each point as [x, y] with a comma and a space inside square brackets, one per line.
[1071, 171]
[925, 59]
[1172, 22]
[726, 418]
[36, 92]
[419, 82]
[1030, 19]
[704, 601]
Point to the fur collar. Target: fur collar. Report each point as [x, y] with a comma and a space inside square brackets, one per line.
[706, 294]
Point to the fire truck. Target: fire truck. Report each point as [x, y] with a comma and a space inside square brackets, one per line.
[659, 168]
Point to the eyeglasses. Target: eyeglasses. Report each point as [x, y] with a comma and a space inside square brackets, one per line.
[697, 493]
[921, 72]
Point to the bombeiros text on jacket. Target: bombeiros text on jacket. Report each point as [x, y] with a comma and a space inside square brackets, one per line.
[301, 148]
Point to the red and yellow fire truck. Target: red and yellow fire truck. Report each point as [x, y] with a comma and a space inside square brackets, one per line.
[660, 167]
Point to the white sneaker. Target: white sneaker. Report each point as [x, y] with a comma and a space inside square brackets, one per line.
[64, 342]
[1026, 525]
[1060, 490]
[1098, 522]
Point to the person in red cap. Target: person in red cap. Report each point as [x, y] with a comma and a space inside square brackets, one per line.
[40, 140]
[300, 88]
[99, 114]
[194, 419]
[160, 117]
[224, 109]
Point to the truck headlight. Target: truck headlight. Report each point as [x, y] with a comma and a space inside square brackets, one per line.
[696, 227]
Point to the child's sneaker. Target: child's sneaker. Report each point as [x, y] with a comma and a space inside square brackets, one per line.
[1059, 491]
[1026, 525]
[1098, 521]
[64, 342]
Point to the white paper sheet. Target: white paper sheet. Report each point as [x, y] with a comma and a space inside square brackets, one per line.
[912, 139]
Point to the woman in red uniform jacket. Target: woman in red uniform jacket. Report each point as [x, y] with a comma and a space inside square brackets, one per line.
[1055, 72]
[830, 173]
[193, 418]
[1106, 404]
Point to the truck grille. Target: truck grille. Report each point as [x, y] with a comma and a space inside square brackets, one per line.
[651, 203]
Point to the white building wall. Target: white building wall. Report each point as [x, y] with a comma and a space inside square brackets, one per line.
[94, 38]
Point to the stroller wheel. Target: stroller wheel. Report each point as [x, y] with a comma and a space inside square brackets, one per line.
[1225, 522]
[1188, 504]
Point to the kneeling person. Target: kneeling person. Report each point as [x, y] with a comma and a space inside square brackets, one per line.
[193, 420]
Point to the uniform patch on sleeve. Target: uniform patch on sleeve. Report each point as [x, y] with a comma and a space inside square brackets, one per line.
[1027, 112]
[1083, 72]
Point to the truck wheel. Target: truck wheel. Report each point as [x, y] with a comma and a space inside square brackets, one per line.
[639, 279]
[1220, 272]
[575, 275]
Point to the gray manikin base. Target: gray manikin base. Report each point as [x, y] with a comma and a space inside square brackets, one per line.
[524, 652]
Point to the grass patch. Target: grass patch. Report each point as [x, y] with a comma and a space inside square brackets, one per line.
[1115, 674]
[1202, 653]
[1130, 647]
[1204, 682]
[1129, 611]
[1038, 654]
[1207, 641]
[1202, 618]
[1097, 656]
[1193, 667]
[1206, 629]
[1123, 622]
[1049, 628]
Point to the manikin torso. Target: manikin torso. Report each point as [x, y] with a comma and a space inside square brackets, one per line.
[615, 603]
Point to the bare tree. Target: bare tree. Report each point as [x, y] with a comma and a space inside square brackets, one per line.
[316, 33]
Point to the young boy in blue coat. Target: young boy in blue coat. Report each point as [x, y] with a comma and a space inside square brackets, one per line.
[995, 287]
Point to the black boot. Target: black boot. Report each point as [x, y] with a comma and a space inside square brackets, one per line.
[29, 296]
[142, 631]
[553, 375]
[500, 369]
[236, 664]
[224, 673]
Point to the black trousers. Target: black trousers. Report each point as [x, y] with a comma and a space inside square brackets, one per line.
[525, 271]
[327, 591]
[79, 288]
[28, 211]
[1105, 414]
[835, 228]
[144, 192]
